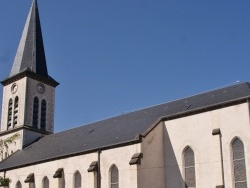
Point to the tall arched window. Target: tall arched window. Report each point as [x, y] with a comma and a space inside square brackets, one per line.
[9, 120]
[189, 168]
[114, 177]
[45, 182]
[239, 166]
[15, 111]
[43, 114]
[77, 180]
[35, 112]
[18, 185]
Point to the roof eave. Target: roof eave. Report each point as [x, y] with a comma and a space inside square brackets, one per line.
[127, 143]
[28, 73]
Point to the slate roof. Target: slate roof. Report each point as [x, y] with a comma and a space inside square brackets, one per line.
[122, 129]
[30, 53]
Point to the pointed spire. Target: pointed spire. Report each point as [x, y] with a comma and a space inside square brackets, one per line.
[30, 53]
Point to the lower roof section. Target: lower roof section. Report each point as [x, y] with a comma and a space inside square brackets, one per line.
[122, 130]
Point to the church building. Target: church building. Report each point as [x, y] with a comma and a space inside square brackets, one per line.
[202, 141]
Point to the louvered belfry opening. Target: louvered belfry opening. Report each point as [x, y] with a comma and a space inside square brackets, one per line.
[15, 111]
[77, 180]
[45, 182]
[9, 120]
[43, 115]
[189, 166]
[240, 179]
[35, 112]
[114, 177]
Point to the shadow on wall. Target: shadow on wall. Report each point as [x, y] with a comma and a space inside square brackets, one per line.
[173, 177]
[159, 167]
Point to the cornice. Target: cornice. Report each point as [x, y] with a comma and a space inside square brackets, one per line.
[30, 74]
[26, 128]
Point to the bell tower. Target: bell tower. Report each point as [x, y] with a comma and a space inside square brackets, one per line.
[28, 93]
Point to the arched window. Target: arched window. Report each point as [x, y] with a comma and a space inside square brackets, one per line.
[77, 180]
[18, 185]
[43, 115]
[189, 168]
[114, 177]
[45, 182]
[15, 111]
[239, 166]
[35, 112]
[9, 120]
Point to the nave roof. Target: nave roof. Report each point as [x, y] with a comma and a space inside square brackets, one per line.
[124, 129]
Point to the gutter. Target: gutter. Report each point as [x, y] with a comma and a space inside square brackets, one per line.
[127, 143]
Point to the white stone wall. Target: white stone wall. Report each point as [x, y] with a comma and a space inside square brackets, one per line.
[26, 91]
[9, 148]
[196, 131]
[151, 170]
[48, 95]
[7, 94]
[118, 156]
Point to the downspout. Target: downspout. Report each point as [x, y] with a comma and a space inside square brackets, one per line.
[217, 132]
[248, 101]
[99, 169]
[222, 163]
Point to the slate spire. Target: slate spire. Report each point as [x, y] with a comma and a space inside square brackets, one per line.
[30, 53]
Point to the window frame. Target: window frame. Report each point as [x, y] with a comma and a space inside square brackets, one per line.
[233, 160]
[15, 111]
[35, 112]
[18, 184]
[186, 167]
[74, 179]
[10, 113]
[43, 182]
[110, 176]
[43, 115]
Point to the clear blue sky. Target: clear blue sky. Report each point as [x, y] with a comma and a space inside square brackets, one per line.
[116, 56]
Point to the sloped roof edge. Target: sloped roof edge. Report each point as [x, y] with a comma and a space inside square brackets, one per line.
[124, 129]
[195, 111]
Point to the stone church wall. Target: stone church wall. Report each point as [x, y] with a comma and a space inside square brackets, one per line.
[117, 156]
[195, 131]
[7, 95]
[151, 170]
[48, 95]
[10, 143]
